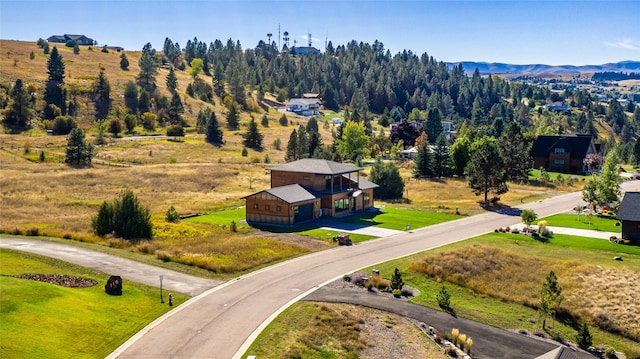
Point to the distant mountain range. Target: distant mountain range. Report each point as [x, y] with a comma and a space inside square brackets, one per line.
[499, 68]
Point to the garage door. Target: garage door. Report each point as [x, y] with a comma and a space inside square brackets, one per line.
[303, 213]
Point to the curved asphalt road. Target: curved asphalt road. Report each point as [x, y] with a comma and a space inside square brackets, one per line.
[223, 321]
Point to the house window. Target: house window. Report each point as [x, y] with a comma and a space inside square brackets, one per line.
[342, 204]
[255, 206]
[559, 151]
[266, 207]
[366, 199]
[558, 163]
[295, 209]
[278, 208]
[306, 178]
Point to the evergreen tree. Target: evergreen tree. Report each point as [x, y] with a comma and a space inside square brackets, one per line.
[433, 125]
[423, 161]
[253, 137]
[101, 93]
[264, 121]
[396, 280]
[283, 120]
[515, 151]
[213, 134]
[124, 62]
[636, 152]
[292, 148]
[144, 101]
[172, 80]
[233, 122]
[387, 176]
[131, 97]
[441, 157]
[20, 112]
[485, 170]
[78, 153]
[584, 338]
[55, 93]
[115, 127]
[303, 143]
[148, 69]
[176, 109]
[76, 49]
[124, 217]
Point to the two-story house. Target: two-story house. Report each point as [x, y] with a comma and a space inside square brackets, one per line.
[304, 106]
[308, 189]
[565, 153]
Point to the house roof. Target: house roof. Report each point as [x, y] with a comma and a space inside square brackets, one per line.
[577, 145]
[362, 183]
[559, 353]
[630, 207]
[316, 166]
[303, 101]
[292, 193]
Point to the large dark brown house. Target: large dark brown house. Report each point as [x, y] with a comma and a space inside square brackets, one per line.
[629, 215]
[565, 153]
[308, 189]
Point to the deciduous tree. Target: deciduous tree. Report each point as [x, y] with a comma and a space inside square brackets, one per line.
[354, 141]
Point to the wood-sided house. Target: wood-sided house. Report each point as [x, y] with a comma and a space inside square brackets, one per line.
[565, 153]
[629, 215]
[308, 189]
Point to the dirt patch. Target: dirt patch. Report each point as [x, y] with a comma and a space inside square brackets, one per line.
[60, 280]
[312, 244]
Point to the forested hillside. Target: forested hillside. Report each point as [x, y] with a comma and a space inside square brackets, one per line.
[367, 82]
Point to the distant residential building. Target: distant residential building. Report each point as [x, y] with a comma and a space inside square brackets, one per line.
[304, 106]
[305, 50]
[565, 153]
[558, 106]
[79, 39]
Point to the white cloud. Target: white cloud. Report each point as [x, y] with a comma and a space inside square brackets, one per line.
[627, 44]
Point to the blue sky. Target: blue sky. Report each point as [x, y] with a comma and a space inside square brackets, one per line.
[561, 32]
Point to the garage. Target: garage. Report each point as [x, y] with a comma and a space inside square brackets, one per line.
[303, 212]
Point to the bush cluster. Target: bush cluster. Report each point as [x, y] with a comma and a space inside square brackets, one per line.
[124, 217]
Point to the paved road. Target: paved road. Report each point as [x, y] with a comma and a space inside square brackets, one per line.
[128, 269]
[224, 321]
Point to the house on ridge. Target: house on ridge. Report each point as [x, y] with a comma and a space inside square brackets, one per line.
[308, 189]
[304, 106]
[629, 215]
[79, 39]
[564, 153]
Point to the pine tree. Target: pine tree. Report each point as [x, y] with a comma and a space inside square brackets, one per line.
[485, 170]
[303, 143]
[20, 112]
[176, 109]
[213, 134]
[55, 92]
[387, 176]
[78, 153]
[441, 157]
[515, 152]
[148, 69]
[292, 147]
[253, 137]
[124, 62]
[232, 117]
[264, 121]
[396, 280]
[124, 217]
[433, 125]
[172, 80]
[584, 338]
[423, 161]
[131, 97]
[101, 96]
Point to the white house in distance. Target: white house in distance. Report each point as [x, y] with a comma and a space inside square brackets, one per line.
[304, 106]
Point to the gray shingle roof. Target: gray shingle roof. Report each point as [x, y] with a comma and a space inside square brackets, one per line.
[316, 166]
[292, 193]
[630, 207]
[362, 183]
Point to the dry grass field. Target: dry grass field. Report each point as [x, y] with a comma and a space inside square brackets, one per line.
[604, 297]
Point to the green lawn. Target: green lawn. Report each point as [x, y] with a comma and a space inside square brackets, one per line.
[41, 320]
[398, 218]
[535, 174]
[221, 217]
[605, 224]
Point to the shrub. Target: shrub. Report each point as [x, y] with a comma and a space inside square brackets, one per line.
[172, 215]
[245, 153]
[175, 131]
[584, 338]
[462, 340]
[62, 125]
[610, 353]
[397, 293]
[451, 351]
[124, 217]
[233, 227]
[163, 256]
[368, 285]
[346, 278]
[146, 247]
[455, 334]
[407, 293]
[396, 280]
[33, 232]
[444, 299]
[468, 345]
